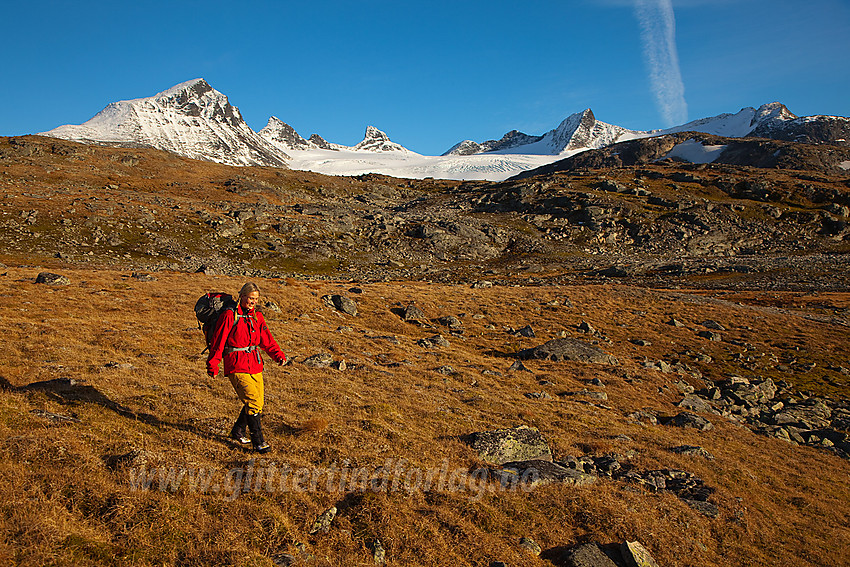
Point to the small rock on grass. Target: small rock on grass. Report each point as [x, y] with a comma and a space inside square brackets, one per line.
[692, 450]
[321, 360]
[636, 555]
[530, 545]
[323, 522]
[518, 366]
[379, 554]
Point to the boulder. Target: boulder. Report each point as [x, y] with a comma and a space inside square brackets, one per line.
[535, 473]
[751, 394]
[713, 325]
[568, 349]
[413, 314]
[809, 414]
[588, 555]
[635, 555]
[526, 331]
[695, 403]
[690, 420]
[51, 279]
[341, 303]
[709, 335]
[521, 443]
[452, 322]
[518, 366]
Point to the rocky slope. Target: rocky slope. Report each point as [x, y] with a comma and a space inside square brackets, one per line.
[664, 221]
[699, 148]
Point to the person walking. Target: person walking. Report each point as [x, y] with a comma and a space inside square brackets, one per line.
[239, 335]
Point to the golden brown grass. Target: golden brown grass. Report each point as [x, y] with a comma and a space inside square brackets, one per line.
[65, 503]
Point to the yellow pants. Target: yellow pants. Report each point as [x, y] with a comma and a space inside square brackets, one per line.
[249, 389]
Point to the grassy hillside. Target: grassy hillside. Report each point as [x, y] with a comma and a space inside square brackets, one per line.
[132, 403]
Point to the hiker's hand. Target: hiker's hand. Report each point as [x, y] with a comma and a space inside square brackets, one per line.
[211, 374]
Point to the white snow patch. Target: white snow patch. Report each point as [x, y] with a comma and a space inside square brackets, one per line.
[694, 152]
[845, 165]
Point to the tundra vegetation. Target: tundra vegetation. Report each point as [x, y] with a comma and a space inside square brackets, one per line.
[480, 372]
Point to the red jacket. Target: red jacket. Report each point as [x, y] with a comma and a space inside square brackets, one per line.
[249, 330]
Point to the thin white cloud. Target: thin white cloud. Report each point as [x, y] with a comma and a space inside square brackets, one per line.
[658, 36]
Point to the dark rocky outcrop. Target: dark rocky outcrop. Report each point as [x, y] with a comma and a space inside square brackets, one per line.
[52, 279]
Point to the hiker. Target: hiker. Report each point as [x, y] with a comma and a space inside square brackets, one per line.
[238, 336]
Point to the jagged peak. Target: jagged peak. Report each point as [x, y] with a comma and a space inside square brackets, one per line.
[197, 87]
[275, 122]
[377, 141]
[585, 117]
[373, 133]
[282, 134]
[321, 143]
[772, 111]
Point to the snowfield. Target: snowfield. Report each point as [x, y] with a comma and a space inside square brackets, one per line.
[694, 152]
[416, 166]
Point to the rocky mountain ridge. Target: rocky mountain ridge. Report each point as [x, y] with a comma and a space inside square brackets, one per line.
[582, 131]
[194, 120]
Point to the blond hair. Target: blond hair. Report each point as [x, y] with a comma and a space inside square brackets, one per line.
[249, 287]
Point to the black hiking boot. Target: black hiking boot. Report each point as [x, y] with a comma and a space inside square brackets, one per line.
[238, 432]
[256, 429]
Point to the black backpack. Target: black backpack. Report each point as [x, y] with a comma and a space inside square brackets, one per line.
[208, 309]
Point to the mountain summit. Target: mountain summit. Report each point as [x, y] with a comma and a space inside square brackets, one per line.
[283, 135]
[191, 119]
[377, 141]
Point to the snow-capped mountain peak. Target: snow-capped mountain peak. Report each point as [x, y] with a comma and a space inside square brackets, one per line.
[771, 111]
[577, 132]
[191, 119]
[195, 120]
[283, 135]
[377, 141]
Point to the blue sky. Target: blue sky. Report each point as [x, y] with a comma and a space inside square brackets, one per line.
[433, 73]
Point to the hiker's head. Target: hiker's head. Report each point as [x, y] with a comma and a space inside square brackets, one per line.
[249, 295]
